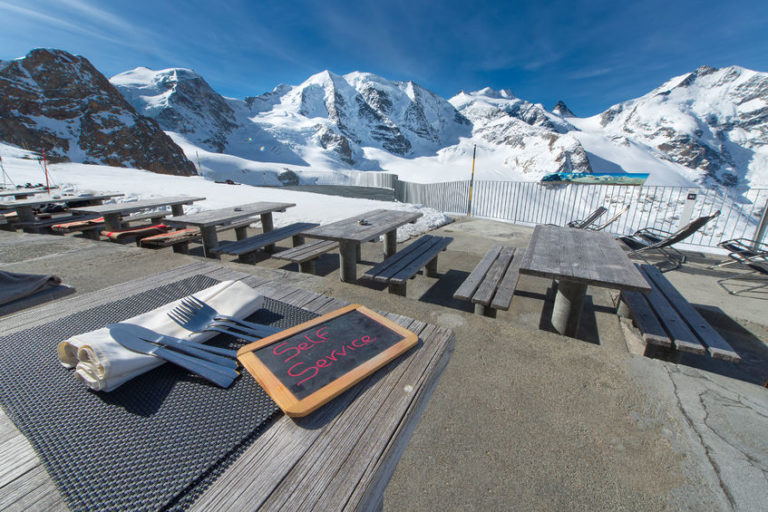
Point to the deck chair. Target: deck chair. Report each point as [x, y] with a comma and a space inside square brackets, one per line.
[588, 221]
[646, 240]
[610, 221]
[758, 271]
[740, 247]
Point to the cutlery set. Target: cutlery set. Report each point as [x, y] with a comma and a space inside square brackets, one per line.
[217, 365]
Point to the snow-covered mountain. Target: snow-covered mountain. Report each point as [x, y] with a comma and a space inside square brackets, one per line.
[712, 121]
[709, 126]
[59, 103]
[533, 139]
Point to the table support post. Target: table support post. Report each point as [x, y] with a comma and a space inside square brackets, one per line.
[390, 243]
[566, 313]
[266, 227]
[112, 222]
[241, 232]
[210, 240]
[348, 256]
[177, 210]
[485, 311]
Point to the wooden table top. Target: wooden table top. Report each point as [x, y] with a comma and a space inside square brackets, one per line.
[132, 206]
[347, 450]
[22, 191]
[38, 201]
[228, 214]
[377, 222]
[580, 255]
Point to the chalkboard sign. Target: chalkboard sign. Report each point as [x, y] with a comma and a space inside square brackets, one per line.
[307, 365]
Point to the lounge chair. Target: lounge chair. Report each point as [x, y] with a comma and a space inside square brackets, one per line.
[758, 266]
[650, 239]
[588, 221]
[609, 221]
[740, 247]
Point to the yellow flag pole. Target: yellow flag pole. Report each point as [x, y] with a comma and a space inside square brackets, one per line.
[471, 183]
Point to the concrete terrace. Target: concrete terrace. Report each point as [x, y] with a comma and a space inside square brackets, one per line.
[523, 418]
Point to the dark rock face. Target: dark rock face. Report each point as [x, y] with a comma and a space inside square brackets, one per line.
[59, 103]
[562, 110]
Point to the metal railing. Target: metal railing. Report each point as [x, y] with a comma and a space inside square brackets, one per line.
[531, 203]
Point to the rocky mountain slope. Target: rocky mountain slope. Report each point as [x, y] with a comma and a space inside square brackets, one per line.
[713, 121]
[59, 103]
[709, 126]
[535, 139]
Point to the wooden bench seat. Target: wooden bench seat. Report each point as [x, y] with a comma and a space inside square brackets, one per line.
[405, 263]
[491, 285]
[180, 238]
[243, 248]
[668, 321]
[306, 254]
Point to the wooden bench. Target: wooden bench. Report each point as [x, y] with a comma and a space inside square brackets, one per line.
[306, 254]
[405, 263]
[179, 239]
[244, 248]
[491, 285]
[668, 322]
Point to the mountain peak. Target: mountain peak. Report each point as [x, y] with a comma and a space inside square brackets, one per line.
[562, 110]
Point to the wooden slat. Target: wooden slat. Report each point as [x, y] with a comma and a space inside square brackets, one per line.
[255, 243]
[307, 251]
[378, 223]
[716, 344]
[506, 290]
[395, 258]
[487, 289]
[421, 260]
[646, 321]
[683, 338]
[471, 283]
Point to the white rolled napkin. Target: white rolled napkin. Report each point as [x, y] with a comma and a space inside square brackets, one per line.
[103, 364]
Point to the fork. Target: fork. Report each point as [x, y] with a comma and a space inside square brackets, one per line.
[196, 315]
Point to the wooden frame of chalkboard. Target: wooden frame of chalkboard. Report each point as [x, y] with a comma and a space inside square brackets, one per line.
[308, 365]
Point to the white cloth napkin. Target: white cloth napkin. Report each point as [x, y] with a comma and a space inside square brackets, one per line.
[103, 364]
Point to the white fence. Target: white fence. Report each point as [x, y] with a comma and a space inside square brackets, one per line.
[532, 203]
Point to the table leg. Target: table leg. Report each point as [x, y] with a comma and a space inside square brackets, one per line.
[390, 243]
[210, 240]
[348, 260]
[25, 214]
[177, 210]
[112, 222]
[241, 232]
[267, 226]
[566, 313]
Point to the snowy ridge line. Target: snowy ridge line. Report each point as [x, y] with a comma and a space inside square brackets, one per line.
[659, 207]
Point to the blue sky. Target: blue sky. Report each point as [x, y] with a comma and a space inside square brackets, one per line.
[591, 54]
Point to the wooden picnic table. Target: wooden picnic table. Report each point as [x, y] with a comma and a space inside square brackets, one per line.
[340, 457]
[351, 232]
[576, 258]
[22, 193]
[25, 207]
[113, 213]
[211, 221]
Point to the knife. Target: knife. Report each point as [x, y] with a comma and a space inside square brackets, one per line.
[188, 347]
[219, 375]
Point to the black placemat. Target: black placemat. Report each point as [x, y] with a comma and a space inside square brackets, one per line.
[157, 441]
